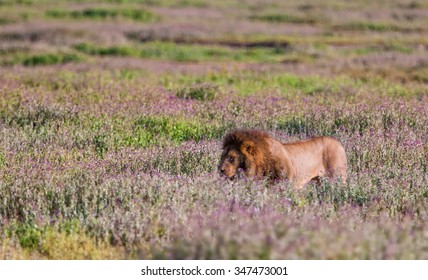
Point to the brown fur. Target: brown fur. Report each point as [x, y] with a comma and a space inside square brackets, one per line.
[259, 155]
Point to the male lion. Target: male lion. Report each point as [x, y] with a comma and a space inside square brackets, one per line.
[259, 155]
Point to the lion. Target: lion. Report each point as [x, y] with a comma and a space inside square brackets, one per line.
[260, 156]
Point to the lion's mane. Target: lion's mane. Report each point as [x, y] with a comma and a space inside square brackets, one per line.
[253, 145]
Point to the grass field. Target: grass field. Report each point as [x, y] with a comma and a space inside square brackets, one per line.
[112, 115]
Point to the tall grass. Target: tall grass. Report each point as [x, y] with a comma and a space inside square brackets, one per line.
[128, 184]
[111, 123]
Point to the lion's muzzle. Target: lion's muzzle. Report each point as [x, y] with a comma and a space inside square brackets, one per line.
[226, 171]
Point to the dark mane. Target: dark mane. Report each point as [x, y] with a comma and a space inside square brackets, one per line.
[259, 158]
[237, 137]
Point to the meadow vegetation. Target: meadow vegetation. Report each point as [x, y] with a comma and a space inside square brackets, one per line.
[112, 115]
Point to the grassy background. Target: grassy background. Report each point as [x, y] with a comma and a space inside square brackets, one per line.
[112, 115]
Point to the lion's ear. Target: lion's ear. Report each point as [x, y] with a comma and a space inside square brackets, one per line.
[248, 146]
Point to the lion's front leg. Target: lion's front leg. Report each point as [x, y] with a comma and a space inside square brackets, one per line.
[250, 171]
[300, 182]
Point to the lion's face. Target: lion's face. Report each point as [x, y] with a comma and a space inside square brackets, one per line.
[231, 160]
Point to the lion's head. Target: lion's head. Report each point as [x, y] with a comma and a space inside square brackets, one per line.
[247, 150]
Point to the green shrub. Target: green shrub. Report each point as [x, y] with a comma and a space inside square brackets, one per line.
[29, 235]
[48, 59]
[369, 26]
[36, 118]
[113, 50]
[100, 145]
[184, 52]
[140, 15]
[198, 91]
[283, 18]
[150, 130]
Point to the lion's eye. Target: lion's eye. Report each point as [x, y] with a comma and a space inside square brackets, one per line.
[231, 159]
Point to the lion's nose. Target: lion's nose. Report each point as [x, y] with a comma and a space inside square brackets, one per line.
[221, 169]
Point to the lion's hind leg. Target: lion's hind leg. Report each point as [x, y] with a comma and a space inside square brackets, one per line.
[337, 172]
[336, 165]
